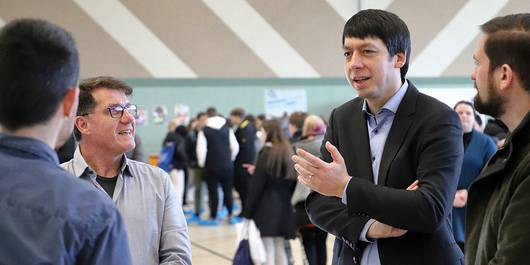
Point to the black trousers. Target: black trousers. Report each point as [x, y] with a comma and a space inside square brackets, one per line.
[241, 181]
[214, 178]
[314, 241]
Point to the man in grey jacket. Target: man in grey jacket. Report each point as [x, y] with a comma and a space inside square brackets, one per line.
[144, 195]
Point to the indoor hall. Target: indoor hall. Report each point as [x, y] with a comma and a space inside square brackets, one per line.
[173, 60]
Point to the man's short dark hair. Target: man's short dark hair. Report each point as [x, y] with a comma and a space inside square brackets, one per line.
[87, 103]
[39, 63]
[297, 119]
[239, 112]
[508, 42]
[383, 25]
[211, 112]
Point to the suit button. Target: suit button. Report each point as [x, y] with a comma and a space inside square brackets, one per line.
[354, 260]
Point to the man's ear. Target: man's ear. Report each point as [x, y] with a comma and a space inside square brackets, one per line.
[81, 124]
[70, 101]
[506, 76]
[401, 59]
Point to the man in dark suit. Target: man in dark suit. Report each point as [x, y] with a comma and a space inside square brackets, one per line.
[378, 144]
[246, 138]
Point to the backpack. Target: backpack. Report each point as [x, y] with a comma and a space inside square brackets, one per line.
[166, 156]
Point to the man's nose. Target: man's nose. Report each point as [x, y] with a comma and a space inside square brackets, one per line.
[127, 116]
[356, 61]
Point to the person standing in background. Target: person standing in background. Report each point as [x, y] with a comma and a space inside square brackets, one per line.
[296, 122]
[313, 238]
[478, 148]
[196, 170]
[270, 191]
[217, 148]
[246, 137]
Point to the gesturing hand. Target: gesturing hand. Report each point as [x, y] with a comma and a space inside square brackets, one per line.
[328, 179]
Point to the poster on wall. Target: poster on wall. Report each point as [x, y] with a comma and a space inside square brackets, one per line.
[142, 118]
[160, 115]
[279, 102]
[181, 113]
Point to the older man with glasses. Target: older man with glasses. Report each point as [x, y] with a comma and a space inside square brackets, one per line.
[144, 195]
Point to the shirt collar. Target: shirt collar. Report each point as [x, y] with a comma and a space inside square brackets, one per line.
[393, 103]
[29, 145]
[80, 164]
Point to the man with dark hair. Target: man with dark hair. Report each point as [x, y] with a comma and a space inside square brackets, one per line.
[197, 171]
[211, 112]
[144, 195]
[387, 140]
[217, 148]
[246, 138]
[46, 217]
[499, 199]
[296, 122]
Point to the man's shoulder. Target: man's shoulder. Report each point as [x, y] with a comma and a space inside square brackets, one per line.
[429, 102]
[144, 170]
[63, 197]
[353, 105]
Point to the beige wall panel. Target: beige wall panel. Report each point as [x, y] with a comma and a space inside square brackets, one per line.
[463, 64]
[99, 53]
[425, 18]
[312, 28]
[199, 38]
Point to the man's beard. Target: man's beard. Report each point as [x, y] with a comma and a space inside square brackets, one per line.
[494, 106]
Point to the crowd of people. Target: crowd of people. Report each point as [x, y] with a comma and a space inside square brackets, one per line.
[395, 175]
[250, 157]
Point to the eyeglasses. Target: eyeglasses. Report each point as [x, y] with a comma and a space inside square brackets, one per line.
[117, 111]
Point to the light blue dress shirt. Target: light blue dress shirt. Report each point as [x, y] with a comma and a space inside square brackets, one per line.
[151, 211]
[379, 125]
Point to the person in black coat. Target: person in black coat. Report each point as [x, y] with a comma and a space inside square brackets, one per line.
[246, 137]
[269, 196]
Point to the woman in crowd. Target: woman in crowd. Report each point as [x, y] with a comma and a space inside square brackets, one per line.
[269, 195]
[313, 239]
[177, 158]
[478, 148]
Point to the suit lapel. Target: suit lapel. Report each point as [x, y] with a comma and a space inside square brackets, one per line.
[398, 131]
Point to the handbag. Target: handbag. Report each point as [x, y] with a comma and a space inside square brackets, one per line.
[248, 231]
[242, 256]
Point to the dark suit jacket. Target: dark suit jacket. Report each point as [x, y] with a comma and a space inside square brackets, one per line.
[424, 143]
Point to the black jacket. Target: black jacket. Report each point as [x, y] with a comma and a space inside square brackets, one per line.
[269, 201]
[497, 230]
[246, 138]
[424, 143]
